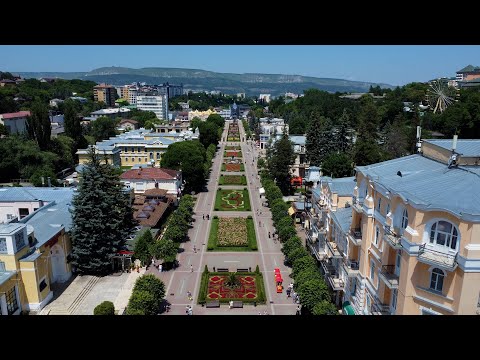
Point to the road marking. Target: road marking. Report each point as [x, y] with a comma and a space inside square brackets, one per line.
[231, 261]
[275, 261]
[183, 284]
[189, 261]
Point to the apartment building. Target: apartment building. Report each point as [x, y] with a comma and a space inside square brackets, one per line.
[415, 232]
[105, 93]
[156, 103]
[300, 165]
[15, 123]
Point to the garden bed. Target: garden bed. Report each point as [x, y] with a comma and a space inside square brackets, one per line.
[232, 234]
[232, 180]
[233, 153]
[232, 200]
[233, 167]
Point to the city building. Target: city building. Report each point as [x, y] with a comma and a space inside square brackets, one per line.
[34, 250]
[469, 72]
[265, 98]
[174, 126]
[79, 98]
[105, 93]
[7, 83]
[151, 208]
[143, 179]
[127, 125]
[156, 103]
[110, 113]
[170, 90]
[203, 115]
[414, 231]
[300, 166]
[55, 102]
[271, 130]
[15, 123]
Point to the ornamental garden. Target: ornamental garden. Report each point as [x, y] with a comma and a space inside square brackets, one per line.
[232, 200]
[232, 234]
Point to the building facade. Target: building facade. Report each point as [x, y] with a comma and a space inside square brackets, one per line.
[158, 104]
[300, 166]
[15, 123]
[105, 93]
[143, 179]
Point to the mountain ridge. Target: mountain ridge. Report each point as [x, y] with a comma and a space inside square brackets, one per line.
[197, 79]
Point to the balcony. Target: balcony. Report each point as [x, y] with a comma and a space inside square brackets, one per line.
[317, 251]
[336, 283]
[379, 308]
[394, 240]
[357, 204]
[355, 236]
[351, 267]
[332, 247]
[444, 260]
[331, 274]
[388, 276]
[319, 226]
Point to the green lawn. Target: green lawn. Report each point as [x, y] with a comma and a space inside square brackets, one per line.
[231, 138]
[213, 238]
[232, 180]
[232, 200]
[230, 147]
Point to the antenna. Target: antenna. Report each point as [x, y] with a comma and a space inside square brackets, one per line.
[419, 134]
[454, 144]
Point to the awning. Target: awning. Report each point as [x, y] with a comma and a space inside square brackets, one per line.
[261, 191]
[347, 308]
[291, 211]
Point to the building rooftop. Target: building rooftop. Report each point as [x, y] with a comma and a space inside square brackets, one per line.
[9, 228]
[342, 186]
[110, 111]
[5, 276]
[469, 68]
[343, 217]
[49, 220]
[150, 174]
[14, 115]
[20, 194]
[465, 147]
[430, 185]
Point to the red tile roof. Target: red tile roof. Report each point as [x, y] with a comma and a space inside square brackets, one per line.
[150, 174]
[15, 114]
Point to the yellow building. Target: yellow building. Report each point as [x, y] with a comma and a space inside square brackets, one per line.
[415, 232]
[105, 93]
[33, 256]
[200, 114]
[136, 147]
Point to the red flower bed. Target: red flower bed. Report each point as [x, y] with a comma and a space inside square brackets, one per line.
[232, 153]
[217, 289]
[232, 167]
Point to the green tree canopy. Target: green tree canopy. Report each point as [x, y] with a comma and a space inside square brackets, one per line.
[104, 308]
[165, 250]
[142, 303]
[150, 283]
[337, 165]
[104, 128]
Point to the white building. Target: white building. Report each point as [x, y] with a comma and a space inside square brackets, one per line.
[157, 104]
[132, 95]
[265, 97]
[16, 123]
[271, 129]
[153, 178]
[111, 113]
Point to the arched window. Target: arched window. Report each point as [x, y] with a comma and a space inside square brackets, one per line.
[379, 205]
[388, 208]
[445, 234]
[436, 280]
[377, 235]
[404, 219]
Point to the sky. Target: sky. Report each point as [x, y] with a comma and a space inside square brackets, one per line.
[392, 64]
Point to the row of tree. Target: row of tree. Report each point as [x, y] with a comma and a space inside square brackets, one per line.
[147, 296]
[202, 101]
[314, 294]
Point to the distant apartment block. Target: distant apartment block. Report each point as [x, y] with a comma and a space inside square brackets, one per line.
[469, 72]
[158, 104]
[170, 90]
[15, 123]
[105, 93]
[300, 165]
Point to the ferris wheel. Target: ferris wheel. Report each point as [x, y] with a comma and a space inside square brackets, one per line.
[440, 95]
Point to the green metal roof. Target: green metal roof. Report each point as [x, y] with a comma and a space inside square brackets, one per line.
[469, 68]
[348, 309]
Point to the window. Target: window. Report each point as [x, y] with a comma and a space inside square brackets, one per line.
[126, 159]
[388, 208]
[394, 299]
[377, 235]
[404, 220]
[158, 156]
[3, 245]
[444, 234]
[19, 241]
[151, 155]
[436, 281]
[43, 285]
[10, 216]
[379, 205]
[133, 159]
[2, 269]
[372, 270]
[23, 212]
[12, 303]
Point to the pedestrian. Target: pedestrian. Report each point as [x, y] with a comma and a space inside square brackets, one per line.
[259, 223]
[269, 234]
[160, 268]
[203, 216]
[194, 249]
[288, 292]
[153, 262]
[189, 295]
[191, 268]
[230, 304]
[291, 286]
[187, 310]
[214, 269]
[298, 310]
[208, 217]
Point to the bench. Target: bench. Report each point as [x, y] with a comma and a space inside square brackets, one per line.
[242, 270]
[222, 269]
[213, 304]
[237, 304]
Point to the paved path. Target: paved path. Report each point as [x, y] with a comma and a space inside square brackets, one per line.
[268, 256]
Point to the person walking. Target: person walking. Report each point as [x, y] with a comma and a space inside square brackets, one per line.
[153, 262]
[160, 267]
[298, 310]
[189, 295]
[203, 216]
[194, 249]
[191, 268]
[269, 234]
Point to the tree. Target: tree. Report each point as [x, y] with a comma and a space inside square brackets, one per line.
[104, 308]
[319, 140]
[188, 156]
[104, 128]
[102, 218]
[73, 127]
[142, 303]
[395, 142]
[343, 134]
[279, 162]
[324, 307]
[367, 150]
[150, 283]
[143, 246]
[297, 254]
[337, 165]
[302, 264]
[312, 292]
[3, 130]
[195, 123]
[306, 275]
[293, 243]
[208, 133]
[165, 250]
[38, 125]
[286, 232]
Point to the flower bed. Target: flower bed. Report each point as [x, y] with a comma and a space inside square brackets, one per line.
[232, 180]
[233, 167]
[232, 232]
[233, 153]
[232, 200]
[217, 288]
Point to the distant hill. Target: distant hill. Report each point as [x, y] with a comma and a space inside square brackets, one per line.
[252, 84]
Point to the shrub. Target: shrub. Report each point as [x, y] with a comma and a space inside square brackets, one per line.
[324, 307]
[150, 283]
[143, 301]
[216, 209]
[249, 217]
[257, 269]
[215, 216]
[104, 308]
[297, 254]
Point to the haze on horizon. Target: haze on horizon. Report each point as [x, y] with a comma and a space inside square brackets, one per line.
[390, 64]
